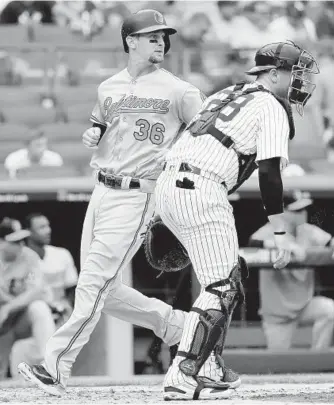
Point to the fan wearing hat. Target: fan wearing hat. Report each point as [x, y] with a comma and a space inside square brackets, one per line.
[23, 313]
[287, 296]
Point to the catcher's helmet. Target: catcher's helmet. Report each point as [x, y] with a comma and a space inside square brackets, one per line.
[145, 21]
[291, 57]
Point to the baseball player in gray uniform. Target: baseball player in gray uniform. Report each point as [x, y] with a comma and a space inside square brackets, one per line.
[238, 129]
[137, 117]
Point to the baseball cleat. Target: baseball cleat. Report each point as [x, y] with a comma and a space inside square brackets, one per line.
[38, 376]
[199, 388]
[231, 377]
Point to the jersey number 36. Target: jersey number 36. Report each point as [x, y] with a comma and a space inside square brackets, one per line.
[154, 132]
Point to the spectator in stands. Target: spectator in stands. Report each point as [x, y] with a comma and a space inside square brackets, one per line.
[19, 11]
[326, 60]
[23, 312]
[114, 12]
[80, 16]
[295, 25]
[287, 296]
[59, 276]
[325, 23]
[36, 153]
[309, 143]
[194, 28]
[292, 170]
[253, 26]
[229, 27]
[60, 273]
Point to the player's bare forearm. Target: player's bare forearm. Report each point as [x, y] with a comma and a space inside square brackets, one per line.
[24, 299]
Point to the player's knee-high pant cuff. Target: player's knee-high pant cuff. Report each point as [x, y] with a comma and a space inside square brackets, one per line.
[129, 305]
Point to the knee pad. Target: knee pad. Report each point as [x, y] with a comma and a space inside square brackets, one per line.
[210, 327]
[230, 299]
[235, 295]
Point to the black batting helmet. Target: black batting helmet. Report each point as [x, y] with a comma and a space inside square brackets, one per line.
[145, 21]
[291, 57]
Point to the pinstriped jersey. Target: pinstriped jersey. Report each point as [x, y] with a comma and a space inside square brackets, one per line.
[256, 122]
[143, 117]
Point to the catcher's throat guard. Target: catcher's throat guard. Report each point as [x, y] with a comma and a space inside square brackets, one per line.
[301, 87]
[163, 250]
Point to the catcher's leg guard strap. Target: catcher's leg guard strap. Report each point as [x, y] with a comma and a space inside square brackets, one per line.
[229, 300]
[208, 331]
[211, 330]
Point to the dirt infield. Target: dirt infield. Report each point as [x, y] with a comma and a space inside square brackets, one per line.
[273, 389]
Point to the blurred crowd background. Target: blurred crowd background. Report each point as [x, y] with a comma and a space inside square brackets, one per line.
[54, 54]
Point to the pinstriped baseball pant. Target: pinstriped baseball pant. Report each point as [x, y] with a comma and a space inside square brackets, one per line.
[202, 219]
[111, 233]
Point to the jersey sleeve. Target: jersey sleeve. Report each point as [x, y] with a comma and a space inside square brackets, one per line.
[273, 133]
[319, 236]
[71, 274]
[191, 103]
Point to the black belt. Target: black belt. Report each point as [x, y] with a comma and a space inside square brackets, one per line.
[112, 181]
[186, 167]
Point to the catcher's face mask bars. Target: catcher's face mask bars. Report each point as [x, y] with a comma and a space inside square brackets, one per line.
[301, 86]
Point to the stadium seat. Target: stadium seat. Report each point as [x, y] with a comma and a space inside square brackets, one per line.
[55, 35]
[302, 153]
[13, 132]
[20, 95]
[321, 166]
[64, 132]
[80, 113]
[108, 36]
[73, 153]
[3, 174]
[45, 172]
[32, 115]
[84, 60]
[8, 147]
[68, 96]
[13, 34]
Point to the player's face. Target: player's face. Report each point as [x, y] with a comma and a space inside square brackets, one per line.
[301, 216]
[297, 217]
[40, 230]
[37, 147]
[151, 46]
[11, 250]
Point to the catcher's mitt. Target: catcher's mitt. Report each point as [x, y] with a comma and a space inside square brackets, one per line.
[163, 250]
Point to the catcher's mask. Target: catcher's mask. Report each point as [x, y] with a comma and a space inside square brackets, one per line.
[291, 57]
[301, 87]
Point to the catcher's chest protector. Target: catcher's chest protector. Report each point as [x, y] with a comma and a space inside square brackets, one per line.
[205, 124]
